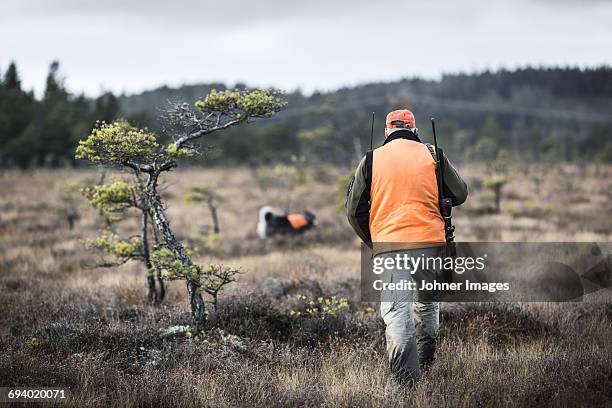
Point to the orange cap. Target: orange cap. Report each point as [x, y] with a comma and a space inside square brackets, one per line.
[402, 115]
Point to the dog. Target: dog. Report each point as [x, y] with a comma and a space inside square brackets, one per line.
[271, 224]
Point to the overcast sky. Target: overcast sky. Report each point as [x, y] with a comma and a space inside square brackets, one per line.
[124, 45]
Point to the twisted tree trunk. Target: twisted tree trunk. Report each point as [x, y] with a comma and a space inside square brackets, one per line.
[147, 257]
[497, 189]
[213, 213]
[198, 308]
[158, 271]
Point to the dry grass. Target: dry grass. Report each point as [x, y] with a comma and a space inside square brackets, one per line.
[64, 323]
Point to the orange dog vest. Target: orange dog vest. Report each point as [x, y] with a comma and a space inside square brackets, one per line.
[297, 221]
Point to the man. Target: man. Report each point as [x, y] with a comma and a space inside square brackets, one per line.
[393, 206]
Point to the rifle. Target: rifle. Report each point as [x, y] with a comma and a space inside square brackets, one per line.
[372, 130]
[446, 207]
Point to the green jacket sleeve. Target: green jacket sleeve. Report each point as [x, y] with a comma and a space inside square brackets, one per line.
[358, 203]
[454, 186]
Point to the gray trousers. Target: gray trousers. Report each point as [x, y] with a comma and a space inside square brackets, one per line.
[411, 318]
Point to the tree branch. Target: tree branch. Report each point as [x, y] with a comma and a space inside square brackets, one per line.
[203, 132]
[145, 168]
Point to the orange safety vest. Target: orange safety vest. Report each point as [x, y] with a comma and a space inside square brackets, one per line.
[404, 196]
[297, 221]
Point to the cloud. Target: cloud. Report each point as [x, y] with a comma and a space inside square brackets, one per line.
[195, 13]
[134, 45]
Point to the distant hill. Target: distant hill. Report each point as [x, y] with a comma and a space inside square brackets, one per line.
[525, 109]
[547, 93]
[529, 114]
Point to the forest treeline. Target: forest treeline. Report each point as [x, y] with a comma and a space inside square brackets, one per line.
[531, 114]
[45, 131]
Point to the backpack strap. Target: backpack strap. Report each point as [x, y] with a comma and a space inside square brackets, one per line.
[368, 164]
[431, 149]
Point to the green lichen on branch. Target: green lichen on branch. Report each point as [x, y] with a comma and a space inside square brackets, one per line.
[199, 194]
[173, 153]
[209, 279]
[118, 144]
[114, 198]
[217, 276]
[172, 268]
[121, 249]
[241, 104]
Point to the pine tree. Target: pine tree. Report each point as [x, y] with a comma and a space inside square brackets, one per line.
[17, 112]
[11, 78]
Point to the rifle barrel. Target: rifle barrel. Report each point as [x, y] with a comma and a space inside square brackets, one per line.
[438, 165]
[372, 130]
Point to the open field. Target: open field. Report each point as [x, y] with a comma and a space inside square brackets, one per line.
[65, 323]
